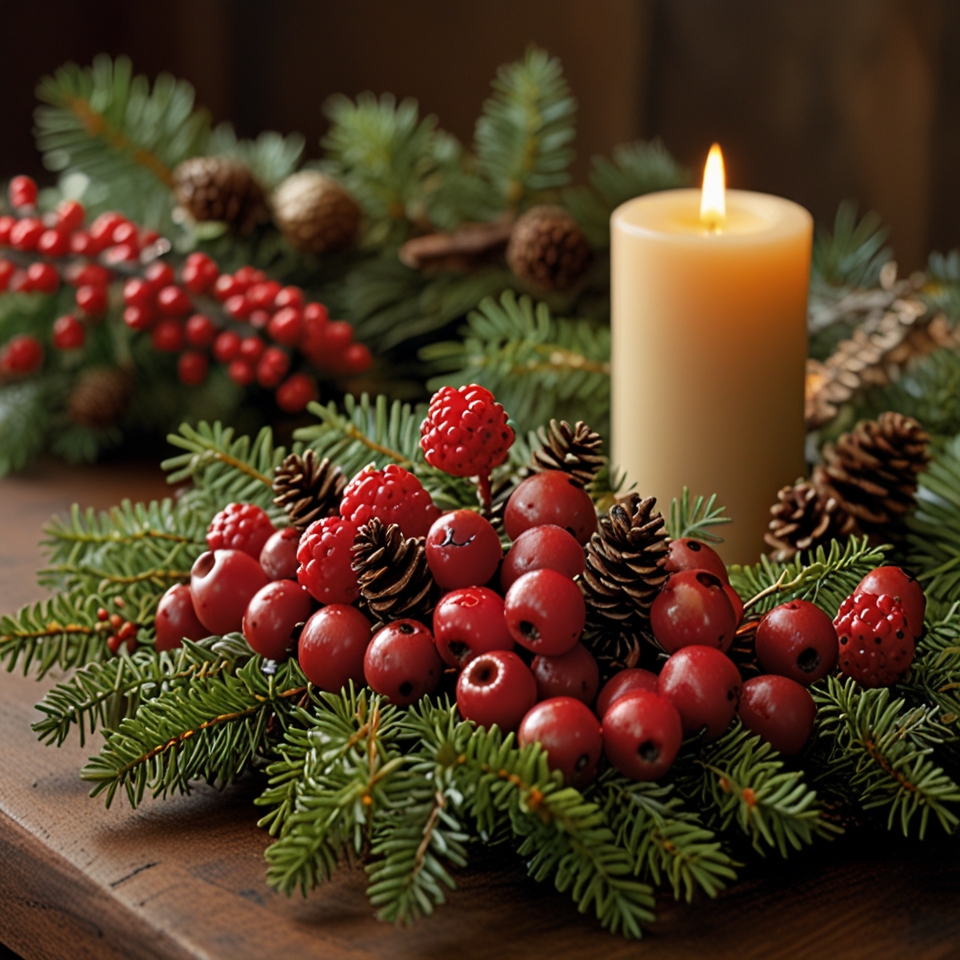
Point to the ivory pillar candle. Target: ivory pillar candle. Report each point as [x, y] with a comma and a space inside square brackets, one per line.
[709, 345]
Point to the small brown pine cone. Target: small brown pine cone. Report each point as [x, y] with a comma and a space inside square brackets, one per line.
[100, 397]
[573, 449]
[220, 188]
[803, 520]
[395, 581]
[307, 488]
[315, 213]
[872, 472]
[624, 566]
[547, 248]
[614, 649]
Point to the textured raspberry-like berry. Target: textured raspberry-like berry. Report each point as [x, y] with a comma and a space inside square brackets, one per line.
[324, 556]
[392, 495]
[240, 526]
[465, 433]
[876, 645]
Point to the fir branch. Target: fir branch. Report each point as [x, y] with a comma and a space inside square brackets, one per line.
[270, 158]
[212, 729]
[881, 749]
[854, 253]
[934, 676]
[24, 423]
[695, 521]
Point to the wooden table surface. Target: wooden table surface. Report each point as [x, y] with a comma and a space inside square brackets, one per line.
[185, 878]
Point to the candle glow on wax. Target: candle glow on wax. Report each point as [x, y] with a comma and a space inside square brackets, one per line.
[713, 198]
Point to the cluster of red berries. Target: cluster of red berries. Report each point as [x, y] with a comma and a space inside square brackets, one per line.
[245, 321]
[123, 631]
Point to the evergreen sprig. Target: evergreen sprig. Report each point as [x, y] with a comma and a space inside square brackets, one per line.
[695, 519]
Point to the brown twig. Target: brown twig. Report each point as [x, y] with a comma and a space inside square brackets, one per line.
[467, 243]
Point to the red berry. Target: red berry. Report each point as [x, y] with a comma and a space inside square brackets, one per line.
[226, 347]
[238, 307]
[192, 367]
[692, 609]
[200, 331]
[285, 326]
[126, 233]
[68, 333]
[550, 497]
[357, 358]
[241, 372]
[876, 645]
[468, 622]
[780, 710]
[571, 674]
[21, 355]
[622, 683]
[92, 300]
[167, 336]
[279, 554]
[240, 526]
[548, 547]
[295, 393]
[7, 270]
[82, 244]
[272, 614]
[101, 230]
[43, 277]
[19, 282]
[402, 662]
[642, 734]
[545, 612]
[272, 368]
[690, 554]
[172, 301]
[248, 276]
[315, 317]
[121, 253]
[70, 215]
[496, 688]
[25, 234]
[289, 297]
[226, 286]
[88, 275]
[160, 275]
[139, 318]
[704, 685]
[6, 225]
[222, 583]
[570, 735]
[137, 293]
[797, 640]
[263, 295]
[736, 604]
[177, 619]
[22, 192]
[332, 646]
[197, 278]
[393, 495]
[465, 432]
[337, 336]
[463, 550]
[324, 555]
[251, 348]
[53, 242]
[897, 583]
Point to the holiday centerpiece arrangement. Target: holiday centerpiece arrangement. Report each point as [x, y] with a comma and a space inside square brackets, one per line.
[424, 633]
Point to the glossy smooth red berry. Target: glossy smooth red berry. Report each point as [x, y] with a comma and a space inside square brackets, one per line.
[736, 604]
[54, 242]
[200, 331]
[468, 622]
[160, 276]
[68, 333]
[496, 688]
[876, 644]
[20, 356]
[240, 526]
[92, 300]
[569, 733]
[620, 684]
[6, 225]
[690, 554]
[192, 367]
[295, 393]
[70, 215]
[797, 640]
[642, 734]
[324, 555]
[780, 710]
[547, 547]
[263, 295]
[222, 583]
[289, 297]
[226, 347]
[402, 662]
[393, 495]
[286, 326]
[693, 609]
[545, 612]
[279, 554]
[271, 616]
[357, 358]
[43, 277]
[897, 583]
[332, 646]
[241, 372]
[251, 348]
[22, 192]
[167, 336]
[139, 318]
[272, 367]
[571, 674]
[704, 685]
[25, 234]
[463, 550]
[176, 619]
[550, 497]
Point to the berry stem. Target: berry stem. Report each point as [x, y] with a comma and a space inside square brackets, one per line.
[486, 494]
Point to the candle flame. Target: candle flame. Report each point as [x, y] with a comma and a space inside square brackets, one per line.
[713, 200]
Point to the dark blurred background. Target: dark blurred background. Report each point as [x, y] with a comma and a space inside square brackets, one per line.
[818, 100]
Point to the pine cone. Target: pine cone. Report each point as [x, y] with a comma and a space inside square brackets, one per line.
[220, 188]
[573, 449]
[872, 472]
[547, 249]
[395, 581]
[614, 649]
[308, 489]
[100, 397]
[315, 213]
[804, 519]
[625, 564]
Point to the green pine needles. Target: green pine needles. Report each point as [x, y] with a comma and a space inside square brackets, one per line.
[350, 779]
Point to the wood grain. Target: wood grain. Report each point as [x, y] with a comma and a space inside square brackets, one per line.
[183, 878]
